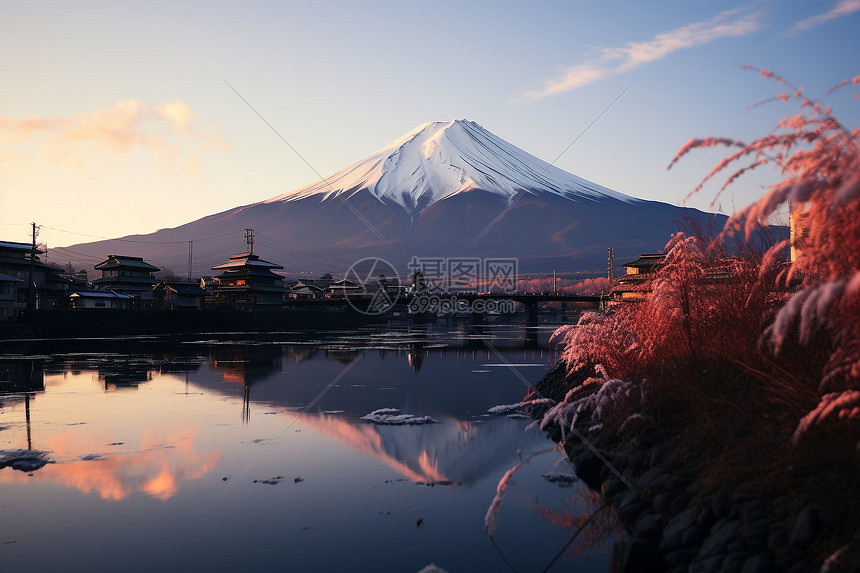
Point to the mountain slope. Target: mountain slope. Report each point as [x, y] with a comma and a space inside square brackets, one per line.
[443, 190]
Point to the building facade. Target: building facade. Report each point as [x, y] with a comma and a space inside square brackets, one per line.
[248, 283]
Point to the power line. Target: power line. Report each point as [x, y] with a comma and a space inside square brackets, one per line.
[185, 241]
[302, 251]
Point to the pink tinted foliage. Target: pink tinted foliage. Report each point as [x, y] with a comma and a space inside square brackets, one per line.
[844, 406]
[722, 325]
[820, 159]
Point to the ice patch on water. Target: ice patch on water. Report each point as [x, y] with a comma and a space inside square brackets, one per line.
[393, 417]
[23, 460]
[505, 409]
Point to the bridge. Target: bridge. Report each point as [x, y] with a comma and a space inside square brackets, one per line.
[531, 301]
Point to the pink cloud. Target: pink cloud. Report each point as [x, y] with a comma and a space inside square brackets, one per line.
[615, 61]
[843, 8]
[127, 126]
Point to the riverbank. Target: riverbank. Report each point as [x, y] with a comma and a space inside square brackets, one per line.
[100, 323]
[677, 519]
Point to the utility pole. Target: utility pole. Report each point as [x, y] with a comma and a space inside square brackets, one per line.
[190, 258]
[31, 286]
[611, 269]
[249, 238]
[554, 283]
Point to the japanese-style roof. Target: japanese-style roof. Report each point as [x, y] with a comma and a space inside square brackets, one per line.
[246, 260]
[309, 288]
[18, 246]
[186, 289]
[344, 283]
[98, 294]
[646, 260]
[116, 261]
[7, 278]
[125, 280]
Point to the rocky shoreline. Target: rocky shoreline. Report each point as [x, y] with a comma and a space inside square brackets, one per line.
[674, 522]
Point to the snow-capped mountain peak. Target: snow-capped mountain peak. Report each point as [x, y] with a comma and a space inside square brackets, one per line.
[439, 159]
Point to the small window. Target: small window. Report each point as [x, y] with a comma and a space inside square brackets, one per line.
[100, 303]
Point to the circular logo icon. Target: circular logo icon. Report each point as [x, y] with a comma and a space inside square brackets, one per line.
[371, 286]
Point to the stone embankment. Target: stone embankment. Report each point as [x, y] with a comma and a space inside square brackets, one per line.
[673, 523]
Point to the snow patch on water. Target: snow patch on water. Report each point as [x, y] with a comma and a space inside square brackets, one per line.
[393, 417]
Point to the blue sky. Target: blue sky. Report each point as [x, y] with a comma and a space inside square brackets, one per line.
[117, 118]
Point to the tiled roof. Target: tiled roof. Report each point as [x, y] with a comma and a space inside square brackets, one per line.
[18, 246]
[646, 260]
[7, 278]
[125, 280]
[116, 261]
[246, 260]
[186, 289]
[98, 294]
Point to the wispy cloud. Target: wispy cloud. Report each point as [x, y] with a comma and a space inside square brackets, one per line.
[125, 127]
[844, 8]
[615, 61]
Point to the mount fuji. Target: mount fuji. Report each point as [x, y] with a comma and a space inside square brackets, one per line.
[445, 189]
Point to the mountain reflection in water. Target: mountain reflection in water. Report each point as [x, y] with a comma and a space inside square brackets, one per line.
[204, 423]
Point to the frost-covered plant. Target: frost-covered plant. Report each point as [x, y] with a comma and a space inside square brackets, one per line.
[736, 343]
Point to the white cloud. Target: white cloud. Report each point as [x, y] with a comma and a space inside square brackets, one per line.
[844, 8]
[615, 61]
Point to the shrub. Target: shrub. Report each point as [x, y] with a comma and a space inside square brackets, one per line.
[752, 360]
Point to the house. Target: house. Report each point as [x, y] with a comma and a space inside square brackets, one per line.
[104, 299]
[178, 296]
[304, 291]
[19, 260]
[631, 286]
[9, 304]
[798, 221]
[344, 288]
[248, 283]
[127, 275]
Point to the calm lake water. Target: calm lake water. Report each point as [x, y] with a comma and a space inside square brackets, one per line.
[248, 452]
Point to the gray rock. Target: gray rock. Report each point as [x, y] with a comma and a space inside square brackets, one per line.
[676, 527]
[801, 566]
[693, 537]
[651, 478]
[742, 498]
[806, 528]
[720, 538]
[677, 483]
[648, 525]
[680, 502]
[778, 539]
[661, 502]
[679, 557]
[757, 564]
[754, 513]
[630, 512]
[706, 564]
[706, 518]
[721, 503]
[612, 487]
[736, 545]
[759, 528]
[734, 561]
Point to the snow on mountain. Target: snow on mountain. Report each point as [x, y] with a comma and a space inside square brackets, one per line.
[439, 191]
[437, 160]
